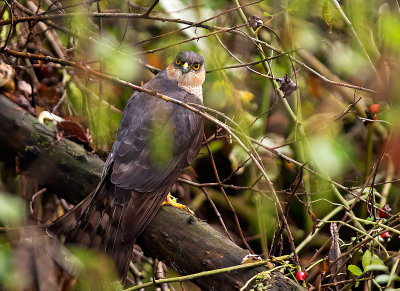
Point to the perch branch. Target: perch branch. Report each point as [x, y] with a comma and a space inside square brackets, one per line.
[66, 168]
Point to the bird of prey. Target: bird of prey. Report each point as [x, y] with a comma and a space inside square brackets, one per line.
[155, 141]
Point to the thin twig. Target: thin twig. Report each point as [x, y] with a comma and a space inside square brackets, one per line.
[355, 35]
[147, 13]
[228, 201]
[104, 15]
[201, 274]
[217, 213]
[227, 29]
[197, 23]
[288, 232]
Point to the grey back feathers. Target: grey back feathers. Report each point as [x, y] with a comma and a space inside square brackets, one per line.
[144, 118]
[135, 180]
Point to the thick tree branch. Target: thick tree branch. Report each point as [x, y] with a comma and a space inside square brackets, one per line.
[66, 167]
[175, 237]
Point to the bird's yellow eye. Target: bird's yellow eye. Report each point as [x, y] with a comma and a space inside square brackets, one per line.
[196, 66]
[178, 61]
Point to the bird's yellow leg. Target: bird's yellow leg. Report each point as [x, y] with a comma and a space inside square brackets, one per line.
[171, 200]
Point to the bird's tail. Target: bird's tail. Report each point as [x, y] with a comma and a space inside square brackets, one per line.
[96, 223]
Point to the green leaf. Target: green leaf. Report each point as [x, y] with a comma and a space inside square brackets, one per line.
[355, 270]
[11, 278]
[331, 151]
[161, 143]
[237, 156]
[214, 146]
[390, 30]
[94, 268]
[75, 96]
[377, 267]
[269, 16]
[382, 279]
[118, 60]
[3, 34]
[366, 259]
[367, 190]
[376, 260]
[326, 13]
[11, 209]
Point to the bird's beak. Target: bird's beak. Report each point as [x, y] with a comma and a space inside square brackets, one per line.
[185, 68]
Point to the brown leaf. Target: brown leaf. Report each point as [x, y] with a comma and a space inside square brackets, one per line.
[25, 88]
[314, 85]
[7, 77]
[323, 267]
[255, 22]
[287, 85]
[49, 96]
[73, 131]
[18, 98]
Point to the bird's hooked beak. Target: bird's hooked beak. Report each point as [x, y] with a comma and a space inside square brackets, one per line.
[185, 68]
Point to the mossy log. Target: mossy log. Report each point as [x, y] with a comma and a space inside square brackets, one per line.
[63, 166]
[175, 237]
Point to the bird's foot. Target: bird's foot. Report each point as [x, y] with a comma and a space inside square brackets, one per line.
[171, 200]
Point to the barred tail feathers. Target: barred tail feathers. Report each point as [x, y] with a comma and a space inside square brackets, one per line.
[96, 223]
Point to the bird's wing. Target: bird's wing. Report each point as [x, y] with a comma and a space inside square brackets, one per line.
[156, 139]
[134, 183]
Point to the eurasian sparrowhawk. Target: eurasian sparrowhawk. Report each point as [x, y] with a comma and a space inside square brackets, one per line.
[136, 178]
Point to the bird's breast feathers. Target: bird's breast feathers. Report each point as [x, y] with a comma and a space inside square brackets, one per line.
[195, 90]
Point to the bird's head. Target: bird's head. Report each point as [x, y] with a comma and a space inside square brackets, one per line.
[188, 69]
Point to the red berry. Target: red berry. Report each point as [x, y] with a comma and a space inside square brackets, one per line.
[383, 214]
[385, 235]
[374, 108]
[300, 275]
[375, 117]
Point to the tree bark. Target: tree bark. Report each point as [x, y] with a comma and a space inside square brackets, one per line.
[63, 166]
[175, 237]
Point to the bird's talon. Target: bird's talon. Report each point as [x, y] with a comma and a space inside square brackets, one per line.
[171, 200]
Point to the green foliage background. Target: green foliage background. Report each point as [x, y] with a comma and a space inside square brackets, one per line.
[319, 125]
